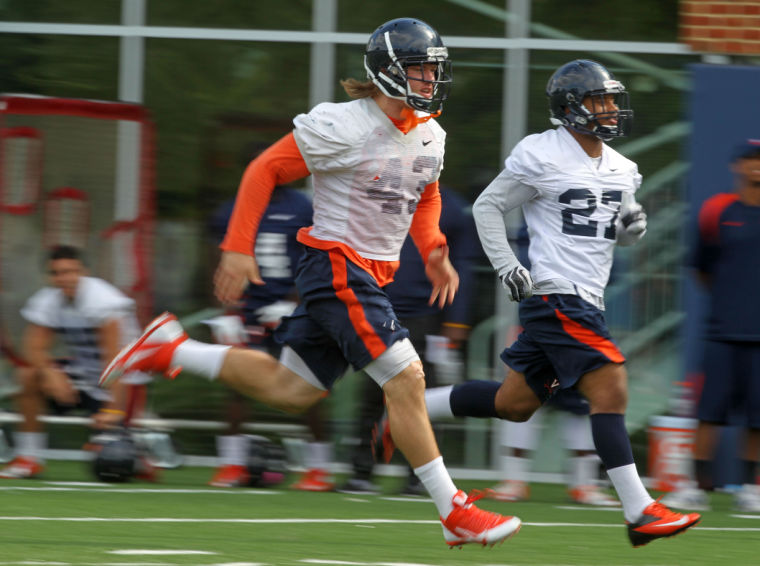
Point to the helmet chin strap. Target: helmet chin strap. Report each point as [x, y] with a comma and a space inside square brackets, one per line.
[583, 129]
[601, 131]
[385, 83]
[595, 132]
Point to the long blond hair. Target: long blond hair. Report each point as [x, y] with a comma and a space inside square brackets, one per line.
[359, 89]
[364, 89]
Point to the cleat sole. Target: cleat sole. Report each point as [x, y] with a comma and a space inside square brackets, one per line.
[641, 539]
[460, 543]
[115, 369]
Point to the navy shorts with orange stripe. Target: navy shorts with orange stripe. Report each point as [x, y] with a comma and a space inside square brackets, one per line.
[563, 338]
[344, 317]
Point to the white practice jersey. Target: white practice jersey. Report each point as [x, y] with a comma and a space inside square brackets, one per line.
[367, 175]
[77, 323]
[571, 221]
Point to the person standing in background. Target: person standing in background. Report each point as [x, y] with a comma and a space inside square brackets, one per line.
[727, 264]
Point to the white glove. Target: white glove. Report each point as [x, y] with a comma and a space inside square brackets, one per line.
[632, 221]
[518, 282]
[227, 329]
[270, 315]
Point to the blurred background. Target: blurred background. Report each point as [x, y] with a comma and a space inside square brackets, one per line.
[193, 86]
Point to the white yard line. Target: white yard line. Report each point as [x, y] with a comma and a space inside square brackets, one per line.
[301, 520]
[408, 499]
[220, 491]
[294, 520]
[48, 563]
[347, 563]
[587, 508]
[79, 483]
[156, 552]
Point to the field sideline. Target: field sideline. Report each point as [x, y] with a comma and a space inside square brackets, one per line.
[66, 519]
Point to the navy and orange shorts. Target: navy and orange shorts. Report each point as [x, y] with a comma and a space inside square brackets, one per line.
[563, 338]
[344, 317]
[731, 391]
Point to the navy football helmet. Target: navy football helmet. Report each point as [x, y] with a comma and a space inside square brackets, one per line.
[572, 83]
[116, 458]
[394, 47]
[266, 462]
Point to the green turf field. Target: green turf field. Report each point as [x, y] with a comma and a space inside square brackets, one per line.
[58, 521]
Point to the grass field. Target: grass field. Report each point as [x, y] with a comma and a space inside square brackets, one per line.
[61, 520]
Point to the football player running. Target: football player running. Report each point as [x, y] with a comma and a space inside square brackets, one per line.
[375, 163]
[577, 196]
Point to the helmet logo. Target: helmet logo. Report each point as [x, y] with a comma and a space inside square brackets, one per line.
[611, 84]
[437, 52]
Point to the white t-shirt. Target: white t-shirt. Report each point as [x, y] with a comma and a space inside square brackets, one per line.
[570, 203]
[78, 322]
[367, 175]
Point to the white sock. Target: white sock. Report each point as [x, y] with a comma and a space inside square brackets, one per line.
[576, 432]
[318, 455]
[437, 401]
[201, 358]
[232, 449]
[437, 481]
[516, 468]
[632, 493]
[522, 436]
[31, 444]
[583, 470]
